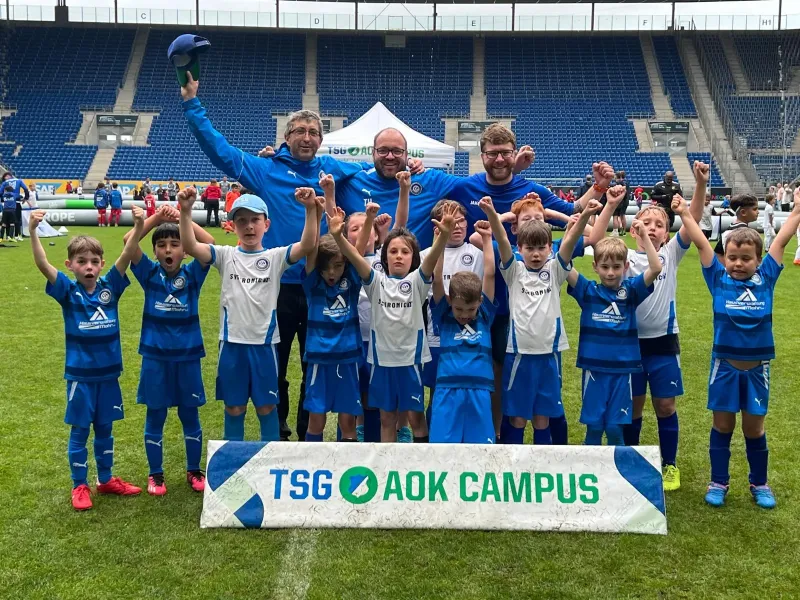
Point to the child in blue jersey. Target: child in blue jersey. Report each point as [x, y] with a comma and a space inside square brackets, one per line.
[742, 293]
[333, 348]
[93, 363]
[251, 278]
[115, 200]
[171, 345]
[658, 323]
[462, 402]
[608, 350]
[101, 200]
[398, 347]
[531, 371]
[7, 230]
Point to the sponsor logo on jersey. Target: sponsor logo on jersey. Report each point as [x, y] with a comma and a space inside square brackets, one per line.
[262, 264]
[99, 320]
[171, 304]
[747, 300]
[610, 314]
[468, 334]
[337, 309]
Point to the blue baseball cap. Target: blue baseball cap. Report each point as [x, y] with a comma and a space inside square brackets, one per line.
[250, 202]
[184, 53]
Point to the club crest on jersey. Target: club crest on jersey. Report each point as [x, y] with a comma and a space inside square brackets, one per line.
[179, 282]
[416, 188]
[467, 260]
[756, 279]
[544, 276]
[405, 287]
[105, 296]
[344, 284]
[622, 293]
[378, 266]
[662, 259]
[262, 264]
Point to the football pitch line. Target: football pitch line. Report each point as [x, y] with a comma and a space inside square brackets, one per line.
[295, 572]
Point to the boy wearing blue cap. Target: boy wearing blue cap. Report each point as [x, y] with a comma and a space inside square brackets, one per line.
[251, 279]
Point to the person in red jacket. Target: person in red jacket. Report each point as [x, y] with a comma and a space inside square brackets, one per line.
[211, 197]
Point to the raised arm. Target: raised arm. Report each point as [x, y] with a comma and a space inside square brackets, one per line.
[401, 215]
[786, 231]
[690, 227]
[39, 255]
[336, 229]
[506, 252]
[328, 186]
[311, 259]
[524, 160]
[613, 197]
[603, 174]
[308, 241]
[437, 288]
[701, 175]
[362, 241]
[201, 251]
[131, 248]
[576, 231]
[444, 229]
[653, 262]
[484, 229]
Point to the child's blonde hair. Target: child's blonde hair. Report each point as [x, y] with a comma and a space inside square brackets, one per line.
[610, 249]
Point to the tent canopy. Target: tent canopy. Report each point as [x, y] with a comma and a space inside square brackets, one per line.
[354, 142]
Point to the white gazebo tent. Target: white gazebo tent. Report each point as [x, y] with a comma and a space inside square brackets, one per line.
[354, 142]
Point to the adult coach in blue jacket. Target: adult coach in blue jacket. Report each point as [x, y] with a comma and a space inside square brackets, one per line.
[294, 165]
[17, 185]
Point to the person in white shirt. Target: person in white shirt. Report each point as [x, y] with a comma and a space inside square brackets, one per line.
[768, 221]
[251, 280]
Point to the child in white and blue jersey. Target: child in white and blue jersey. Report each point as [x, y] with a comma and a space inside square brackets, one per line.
[171, 346]
[248, 362]
[463, 315]
[89, 304]
[657, 324]
[531, 371]
[333, 348]
[742, 293]
[398, 347]
[608, 350]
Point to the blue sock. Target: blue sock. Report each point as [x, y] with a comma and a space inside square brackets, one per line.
[270, 428]
[719, 450]
[510, 434]
[541, 437]
[314, 437]
[668, 438]
[614, 436]
[631, 433]
[234, 427]
[154, 438]
[78, 455]
[757, 457]
[559, 430]
[103, 451]
[594, 436]
[192, 436]
[372, 425]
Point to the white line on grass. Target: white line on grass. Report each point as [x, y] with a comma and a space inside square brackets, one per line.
[294, 577]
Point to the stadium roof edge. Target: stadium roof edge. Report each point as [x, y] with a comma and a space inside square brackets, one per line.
[526, 1]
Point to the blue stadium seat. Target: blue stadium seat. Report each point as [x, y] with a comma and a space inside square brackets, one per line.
[716, 179]
[673, 77]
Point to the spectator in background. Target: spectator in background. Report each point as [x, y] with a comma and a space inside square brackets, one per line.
[664, 191]
[146, 184]
[638, 197]
[225, 186]
[149, 201]
[706, 226]
[172, 191]
[70, 189]
[231, 196]
[570, 196]
[211, 197]
[138, 195]
[785, 200]
[79, 191]
[33, 200]
[587, 185]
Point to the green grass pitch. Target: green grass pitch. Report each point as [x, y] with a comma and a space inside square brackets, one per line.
[147, 547]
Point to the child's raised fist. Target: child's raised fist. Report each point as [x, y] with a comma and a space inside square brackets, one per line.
[404, 179]
[186, 198]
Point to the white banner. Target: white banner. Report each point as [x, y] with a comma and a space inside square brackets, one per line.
[434, 486]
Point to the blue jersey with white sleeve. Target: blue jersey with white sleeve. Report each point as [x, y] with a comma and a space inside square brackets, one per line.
[334, 333]
[743, 311]
[274, 179]
[91, 326]
[609, 339]
[16, 185]
[426, 190]
[465, 351]
[170, 318]
[115, 198]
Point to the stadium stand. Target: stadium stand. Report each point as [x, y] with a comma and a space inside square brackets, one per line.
[673, 77]
[462, 164]
[572, 103]
[429, 79]
[716, 179]
[244, 81]
[50, 77]
[770, 167]
[760, 56]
